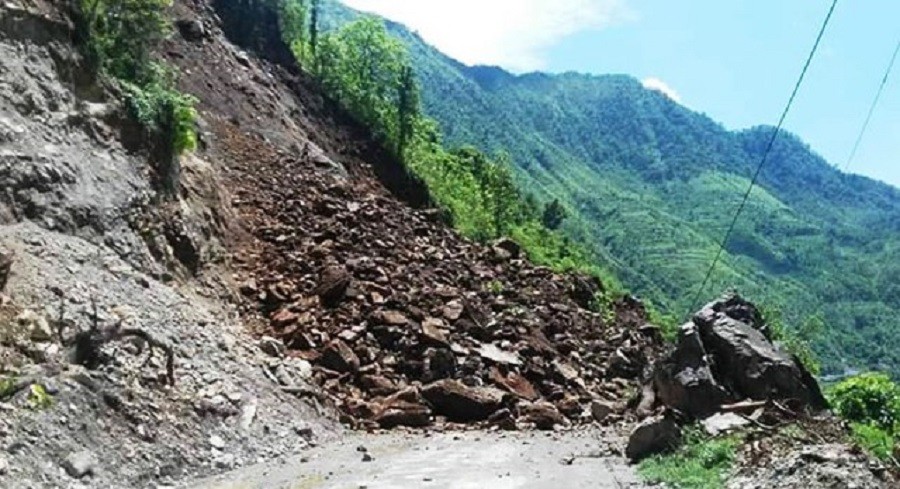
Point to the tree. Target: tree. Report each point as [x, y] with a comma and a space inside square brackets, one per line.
[314, 28]
[122, 34]
[292, 22]
[408, 107]
[554, 214]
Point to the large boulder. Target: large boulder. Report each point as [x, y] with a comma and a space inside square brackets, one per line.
[725, 355]
[459, 402]
[685, 381]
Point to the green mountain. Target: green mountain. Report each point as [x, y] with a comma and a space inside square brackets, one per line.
[653, 185]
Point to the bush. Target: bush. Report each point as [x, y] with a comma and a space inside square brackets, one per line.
[118, 38]
[871, 398]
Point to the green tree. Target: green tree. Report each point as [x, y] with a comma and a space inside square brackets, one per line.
[408, 107]
[293, 25]
[121, 35]
[554, 214]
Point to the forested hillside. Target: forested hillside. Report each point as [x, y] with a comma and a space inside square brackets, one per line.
[650, 187]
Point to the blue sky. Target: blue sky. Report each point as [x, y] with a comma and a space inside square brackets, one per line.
[735, 60]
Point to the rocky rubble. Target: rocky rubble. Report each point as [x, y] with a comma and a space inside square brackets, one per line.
[827, 466]
[404, 320]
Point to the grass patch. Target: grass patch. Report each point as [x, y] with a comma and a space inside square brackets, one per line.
[876, 441]
[700, 463]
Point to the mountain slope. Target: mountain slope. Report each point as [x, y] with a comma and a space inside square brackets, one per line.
[654, 185]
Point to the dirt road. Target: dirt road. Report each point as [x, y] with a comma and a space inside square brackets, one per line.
[443, 461]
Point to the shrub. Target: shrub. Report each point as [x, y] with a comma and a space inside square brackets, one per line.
[118, 38]
[871, 398]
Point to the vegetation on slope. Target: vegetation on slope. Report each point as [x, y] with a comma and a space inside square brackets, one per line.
[871, 402]
[700, 462]
[118, 38]
[371, 75]
[652, 186]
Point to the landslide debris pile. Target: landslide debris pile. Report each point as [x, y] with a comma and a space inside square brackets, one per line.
[404, 321]
[407, 323]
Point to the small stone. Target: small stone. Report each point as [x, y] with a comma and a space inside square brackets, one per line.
[340, 357]
[722, 423]
[217, 442]
[37, 325]
[225, 461]
[80, 464]
[652, 436]
[367, 458]
[271, 346]
[600, 410]
[4, 465]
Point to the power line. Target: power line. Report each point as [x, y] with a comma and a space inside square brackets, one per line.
[865, 125]
[765, 157]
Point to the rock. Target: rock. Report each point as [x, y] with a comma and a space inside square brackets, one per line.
[225, 461]
[191, 30]
[452, 311]
[6, 262]
[391, 318]
[493, 353]
[401, 413]
[4, 465]
[37, 326]
[544, 415]
[80, 464]
[367, 457]
[600, 410]
[506, 249]
[585, 290]
[248, 413]
[271, 346]
[755, 367]
[432, 334]
[333, 283]
[284, 318]
[653, 435]
[684, 380]
[216, 442]
[723, 423]
[515, 383]
[459, 402]
[723, 355]
[339, 357]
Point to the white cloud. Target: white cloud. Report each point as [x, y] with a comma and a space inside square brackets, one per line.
[514, 34]
[652, 83]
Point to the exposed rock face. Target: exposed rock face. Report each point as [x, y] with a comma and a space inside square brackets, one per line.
[723, 355]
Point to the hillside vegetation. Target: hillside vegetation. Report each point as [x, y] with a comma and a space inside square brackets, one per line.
[651, 186]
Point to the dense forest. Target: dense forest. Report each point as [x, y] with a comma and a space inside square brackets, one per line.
[649, 187]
